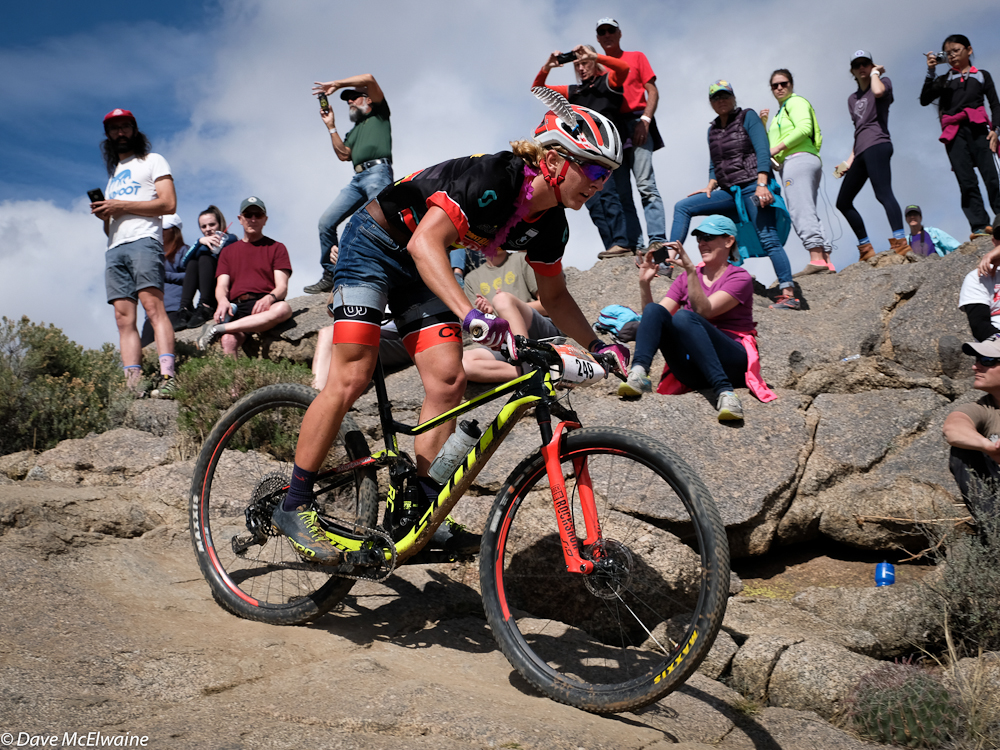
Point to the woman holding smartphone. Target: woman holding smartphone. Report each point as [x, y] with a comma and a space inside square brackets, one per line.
[199, 269]
[869, 108]
[795, 140]
[962, 94]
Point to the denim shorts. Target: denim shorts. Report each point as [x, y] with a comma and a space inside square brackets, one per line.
[133, 266]
[372, 272]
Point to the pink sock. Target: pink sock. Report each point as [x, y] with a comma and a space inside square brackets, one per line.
[167, 364]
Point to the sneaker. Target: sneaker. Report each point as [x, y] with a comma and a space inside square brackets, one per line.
[322, 286]
[615, 251]
[729, 407]
[810, 269]
[201, 315]
[786, 302]
[166, 387]
[183, 319]
[637, 384]
[451, 536]
[301, 528]
[209, 333]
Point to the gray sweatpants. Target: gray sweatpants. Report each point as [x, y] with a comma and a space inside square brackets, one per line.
[800, 176]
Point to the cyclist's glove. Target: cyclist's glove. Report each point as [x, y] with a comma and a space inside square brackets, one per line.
[619, 351]
[489, 330]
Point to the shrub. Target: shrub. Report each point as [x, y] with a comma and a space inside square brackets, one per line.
[52, 389]
[211, 384]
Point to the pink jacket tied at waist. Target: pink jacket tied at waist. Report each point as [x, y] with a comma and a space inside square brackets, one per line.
[671, 386]
[951, 123]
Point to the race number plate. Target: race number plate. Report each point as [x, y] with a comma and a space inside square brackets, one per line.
[578, 367]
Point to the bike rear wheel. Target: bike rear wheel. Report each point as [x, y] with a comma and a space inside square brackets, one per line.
[241, 474]
[639, 625]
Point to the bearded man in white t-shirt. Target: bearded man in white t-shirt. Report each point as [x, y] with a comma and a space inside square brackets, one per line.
[140, 191]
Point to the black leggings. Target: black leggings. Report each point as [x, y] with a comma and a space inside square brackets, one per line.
[967, 152]
[199, 275]
[873, 164]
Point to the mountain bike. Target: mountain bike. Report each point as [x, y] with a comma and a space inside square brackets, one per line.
[604, 564]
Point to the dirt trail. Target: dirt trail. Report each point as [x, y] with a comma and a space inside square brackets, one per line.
[122, 636]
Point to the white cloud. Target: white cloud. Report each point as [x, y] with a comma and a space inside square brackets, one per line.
[456, 76]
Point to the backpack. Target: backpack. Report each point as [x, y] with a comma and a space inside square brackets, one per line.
[618, 320]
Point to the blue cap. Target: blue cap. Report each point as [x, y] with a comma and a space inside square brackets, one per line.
[717, 225]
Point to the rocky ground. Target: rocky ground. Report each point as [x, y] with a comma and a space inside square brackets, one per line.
[110, 627]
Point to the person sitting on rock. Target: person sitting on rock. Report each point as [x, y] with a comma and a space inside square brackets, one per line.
[980, 295]
[704, 326]
[973, 432]
[504, 286]
[924, 241]
[251, 283]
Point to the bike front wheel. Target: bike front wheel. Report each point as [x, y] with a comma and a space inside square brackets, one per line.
[242, 473]
[637, 627]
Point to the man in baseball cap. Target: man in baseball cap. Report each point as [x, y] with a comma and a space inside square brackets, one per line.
[251, 283]
[639, 126]
[923, 241]
[139, 192]
[973, 432]
[368, 146]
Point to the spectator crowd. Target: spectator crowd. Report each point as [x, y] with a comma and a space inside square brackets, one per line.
[495, 225]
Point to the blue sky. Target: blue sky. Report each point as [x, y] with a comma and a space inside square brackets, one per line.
[222, 89]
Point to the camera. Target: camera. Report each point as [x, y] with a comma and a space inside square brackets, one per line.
[565, 57]
[940, 57]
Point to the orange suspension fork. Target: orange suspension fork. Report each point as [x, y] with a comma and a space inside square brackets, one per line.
[564, 515]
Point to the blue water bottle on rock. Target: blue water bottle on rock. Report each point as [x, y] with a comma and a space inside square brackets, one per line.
[885, 574]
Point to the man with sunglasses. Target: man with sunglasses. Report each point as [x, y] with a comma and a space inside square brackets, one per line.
[639, 107]
[251, 283]
[973, 431]
[368, 146]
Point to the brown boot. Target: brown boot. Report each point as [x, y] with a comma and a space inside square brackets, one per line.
[866, 251]
[899, 246]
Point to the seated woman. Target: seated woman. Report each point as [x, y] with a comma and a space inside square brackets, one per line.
[199, 265]
[704, 326]
[739, 167]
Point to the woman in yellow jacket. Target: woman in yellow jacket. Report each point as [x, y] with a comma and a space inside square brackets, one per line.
[795, 140]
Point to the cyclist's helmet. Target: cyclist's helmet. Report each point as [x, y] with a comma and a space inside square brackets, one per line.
[594, 137]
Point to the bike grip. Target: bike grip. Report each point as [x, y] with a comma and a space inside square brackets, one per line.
[479, 330]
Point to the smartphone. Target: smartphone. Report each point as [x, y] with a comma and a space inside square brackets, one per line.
[324, 103]
[565, 57]
[96, 195]
[660, 255]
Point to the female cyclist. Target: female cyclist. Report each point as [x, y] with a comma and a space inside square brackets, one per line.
[395, 251]
[962, 93]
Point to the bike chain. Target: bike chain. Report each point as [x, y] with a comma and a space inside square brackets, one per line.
[372, 575]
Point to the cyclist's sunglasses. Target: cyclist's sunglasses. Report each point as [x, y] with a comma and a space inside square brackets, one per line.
[594, 172]
[987, 361]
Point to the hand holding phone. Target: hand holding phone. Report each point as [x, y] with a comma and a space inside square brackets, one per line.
[324, 103]
[96, 195]
[565, 57]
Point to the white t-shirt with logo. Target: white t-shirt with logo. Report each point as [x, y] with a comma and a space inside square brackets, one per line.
[982, 290]
[134, 180]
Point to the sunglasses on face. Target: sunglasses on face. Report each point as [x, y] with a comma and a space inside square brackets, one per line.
[593, 172]
[987, 361]
[605, 30]
[780, 84]
[253, 215]
[860, 64]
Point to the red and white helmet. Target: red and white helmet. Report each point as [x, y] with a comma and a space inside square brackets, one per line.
[593, 137]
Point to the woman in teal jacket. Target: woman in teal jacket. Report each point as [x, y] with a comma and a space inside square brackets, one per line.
[795, 140]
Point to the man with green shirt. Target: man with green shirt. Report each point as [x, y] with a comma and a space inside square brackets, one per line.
[368, 146]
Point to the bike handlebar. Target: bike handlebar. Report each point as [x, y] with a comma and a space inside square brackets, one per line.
[542, 355]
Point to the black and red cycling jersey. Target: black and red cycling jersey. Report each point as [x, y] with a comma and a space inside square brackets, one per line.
[479, 194]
